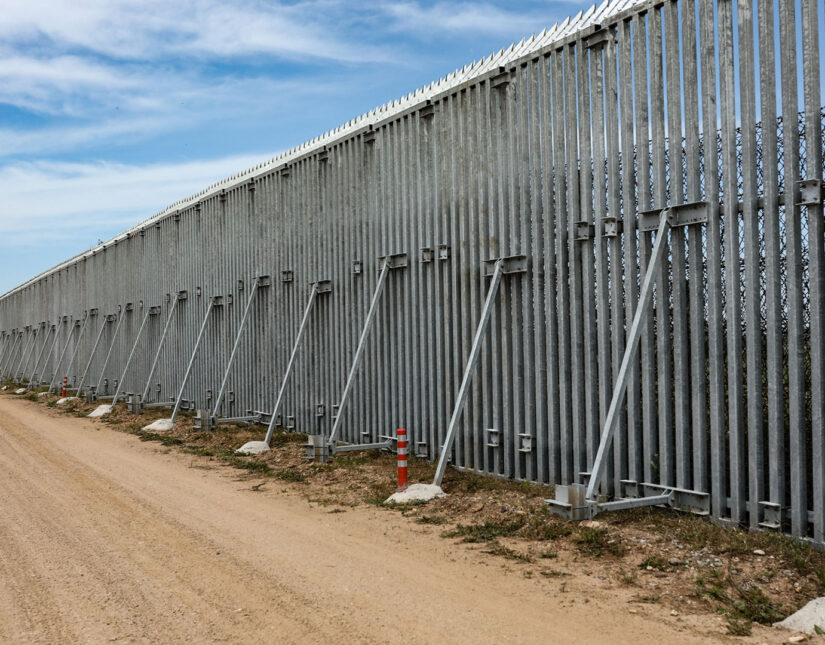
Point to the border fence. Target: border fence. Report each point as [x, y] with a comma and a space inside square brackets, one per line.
[545, 170]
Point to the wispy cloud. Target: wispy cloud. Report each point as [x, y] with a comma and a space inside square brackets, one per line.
[43, 201]
[153, 29]
[464, 17]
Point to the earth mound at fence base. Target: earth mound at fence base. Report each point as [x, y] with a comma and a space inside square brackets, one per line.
[416, 493]
[253, 448]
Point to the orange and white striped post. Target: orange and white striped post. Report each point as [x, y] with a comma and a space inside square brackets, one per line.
[65, 382]
[402, 459]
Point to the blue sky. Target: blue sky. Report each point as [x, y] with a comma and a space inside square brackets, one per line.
[110, 110]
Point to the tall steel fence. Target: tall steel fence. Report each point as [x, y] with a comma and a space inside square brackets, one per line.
[558, 156]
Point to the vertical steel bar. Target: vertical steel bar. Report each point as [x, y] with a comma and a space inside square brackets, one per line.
[797, 447]
[733, 311]
[716, 366]
[816, 250]
[753, 302]
[773, 256]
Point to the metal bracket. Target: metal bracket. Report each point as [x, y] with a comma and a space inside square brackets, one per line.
[612, 227]
[688, 213]
[526, 442]
[428, 111]
[584, 231]
[320, 410]
[323, 286]
[510, 264]
[571, 501]
[263, 281]
[357, 267]
[597, 38]
[811, 192]
[217, 301]
[154, 311]
[183, 295]
[393, 261]
[286, 276]
[443, 252]
[771, 516]
[502, 79]
[493, 438]
[679, 215]
[426, 255]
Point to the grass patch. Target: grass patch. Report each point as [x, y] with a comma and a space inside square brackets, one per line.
[290, 475]
[487, 532]
[163, 439]
[739, 627]
[437, 520]
[628, 577]
[655, 562]
[496, 548]
[596, 542]
[250, 465]
[738, 602]
[541, 525]
[281, 438]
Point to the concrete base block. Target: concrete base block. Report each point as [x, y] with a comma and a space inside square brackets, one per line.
[416, 493]
[253, 448]
[805, 620]
[100, 411]
[161, 425]
[66, 400]
[21, 390]
[42, 394]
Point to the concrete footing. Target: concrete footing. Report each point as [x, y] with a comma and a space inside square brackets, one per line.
[161, 425]
[253, 448]
[416, 493]
[100, 411]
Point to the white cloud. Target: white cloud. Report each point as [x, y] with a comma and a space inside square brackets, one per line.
[152, 29]
[45, 201]
[463, 17]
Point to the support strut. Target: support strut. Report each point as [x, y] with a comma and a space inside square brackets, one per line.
[500, 266]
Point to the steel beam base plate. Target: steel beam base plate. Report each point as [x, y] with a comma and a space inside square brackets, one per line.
[571, 501]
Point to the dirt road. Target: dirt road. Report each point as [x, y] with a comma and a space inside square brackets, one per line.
[104, 538]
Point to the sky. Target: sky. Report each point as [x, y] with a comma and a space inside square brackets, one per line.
[111, 110]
